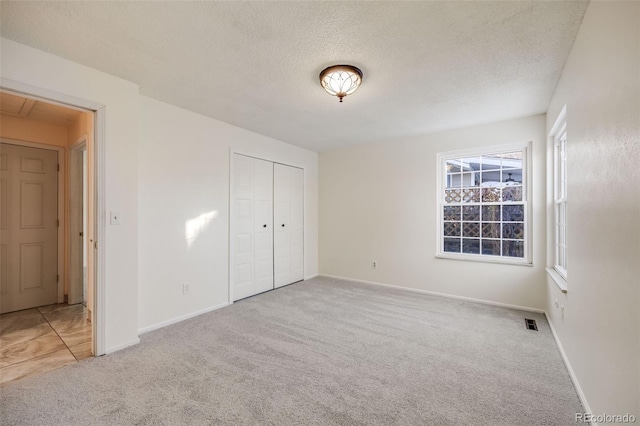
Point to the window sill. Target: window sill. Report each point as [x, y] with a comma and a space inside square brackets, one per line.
[486, 259]
[557, 278]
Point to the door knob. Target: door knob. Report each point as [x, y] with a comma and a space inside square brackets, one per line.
[264, 226]
[283, 225]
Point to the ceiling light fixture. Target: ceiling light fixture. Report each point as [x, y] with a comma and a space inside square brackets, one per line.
[341, 80]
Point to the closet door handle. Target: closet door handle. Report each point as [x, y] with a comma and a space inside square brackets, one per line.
[264, 226]
[283, 225]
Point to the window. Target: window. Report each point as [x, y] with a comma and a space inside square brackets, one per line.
[560, 198]
[483, 204]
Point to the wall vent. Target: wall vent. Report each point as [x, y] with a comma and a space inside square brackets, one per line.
[531, 324]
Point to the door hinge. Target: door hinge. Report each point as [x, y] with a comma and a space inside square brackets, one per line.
[57, 278]
[58, 223]
[58, 167]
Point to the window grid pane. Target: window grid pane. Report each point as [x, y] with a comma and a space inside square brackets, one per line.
[561, 235]
[560, 198]
[484, 205]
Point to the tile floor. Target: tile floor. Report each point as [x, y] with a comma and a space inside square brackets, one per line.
[37, 340]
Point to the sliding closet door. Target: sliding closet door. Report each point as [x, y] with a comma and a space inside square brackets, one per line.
[252, 232]
[288, 213]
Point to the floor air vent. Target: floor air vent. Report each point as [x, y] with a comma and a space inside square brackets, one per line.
[531, 324]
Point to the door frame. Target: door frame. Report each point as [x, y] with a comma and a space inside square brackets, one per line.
[61, 200]
[76, 175]
[99, 231]
[232, 152]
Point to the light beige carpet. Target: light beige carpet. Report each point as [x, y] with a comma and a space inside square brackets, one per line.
[318, 352]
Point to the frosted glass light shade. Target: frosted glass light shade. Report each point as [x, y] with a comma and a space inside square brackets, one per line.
[341, 80]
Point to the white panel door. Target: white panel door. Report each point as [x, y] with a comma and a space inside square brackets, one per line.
[252, 226]
[288, 185]
[243, 226]
[263, 225]
[28, 227]
[296, 221]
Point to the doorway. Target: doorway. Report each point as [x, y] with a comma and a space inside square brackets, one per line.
[48, 228]
[29, 249]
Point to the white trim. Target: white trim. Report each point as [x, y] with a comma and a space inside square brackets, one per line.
[181, 318]
[239, 151]
[559, 274]
[75, 177]
[231, 227]
[558, 279]
[527, 184]
[485, 259]
[80, 143]
[100, 173]
[484, 150]
[122, 346]
[433, 293]
[40, 93]
[99, 140]
[310, 277]
[560, 121]
[559, 145]
[572, 374]
[61, 178]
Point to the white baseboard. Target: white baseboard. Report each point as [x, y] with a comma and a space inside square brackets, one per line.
[433, 293]
[310, 276]
[180, 318]
[572, 374]
[120, 347]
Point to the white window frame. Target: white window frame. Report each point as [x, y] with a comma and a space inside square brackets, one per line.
[526, 200]
[558, 141]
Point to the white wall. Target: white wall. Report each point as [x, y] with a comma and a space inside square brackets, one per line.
[378, 202]
[183, 174]
[600, 85]
[32, 67]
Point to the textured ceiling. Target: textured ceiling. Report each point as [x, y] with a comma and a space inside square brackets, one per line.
[428, 66]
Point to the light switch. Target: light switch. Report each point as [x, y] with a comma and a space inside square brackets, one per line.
[115, 218]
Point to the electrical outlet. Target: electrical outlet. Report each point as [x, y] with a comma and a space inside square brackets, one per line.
[374, 265]
[562, 312]
[186, 288]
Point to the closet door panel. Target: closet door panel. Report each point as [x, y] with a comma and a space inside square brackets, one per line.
[263, 225]
[282, 260]
[296, 218]
[243, 235]
[289, 227]
[268, 226]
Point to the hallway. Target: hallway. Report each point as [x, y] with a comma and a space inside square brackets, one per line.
[38, 340]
